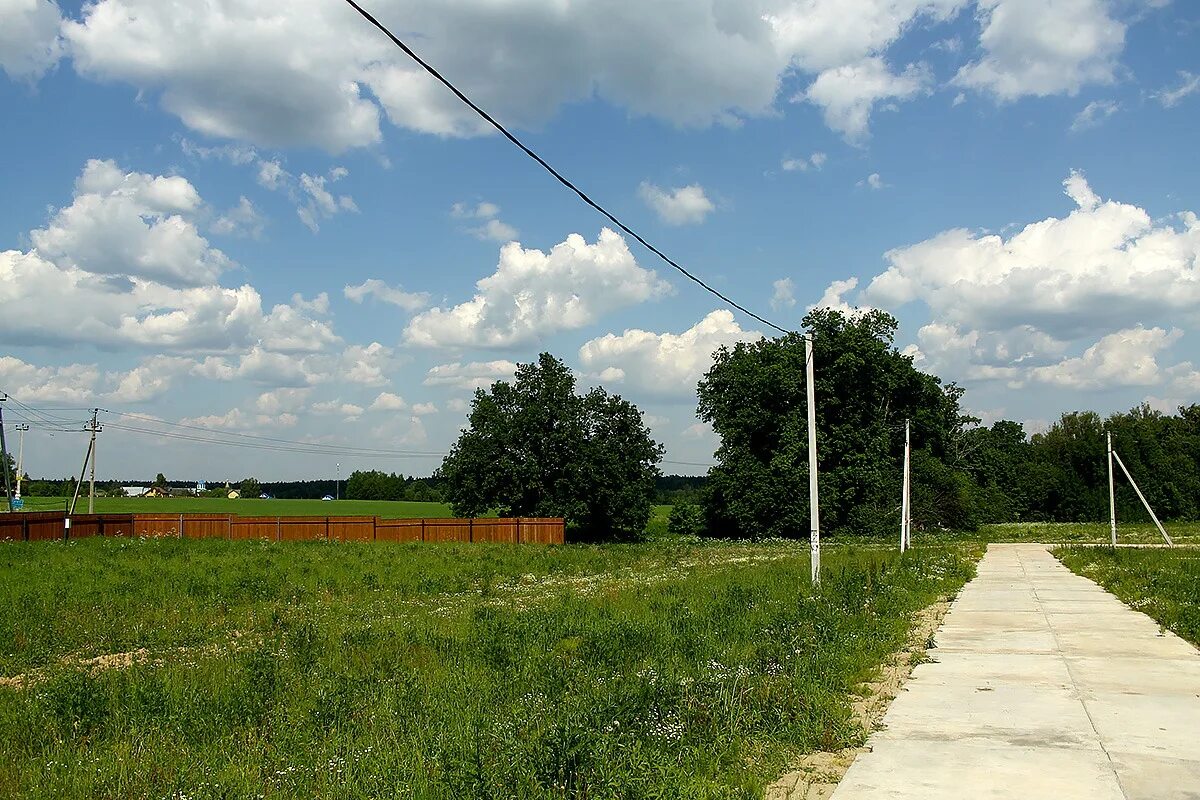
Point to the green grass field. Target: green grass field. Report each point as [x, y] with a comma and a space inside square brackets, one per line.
[215, 669]
[248, 507]
[1164, 583]
[1086, 532]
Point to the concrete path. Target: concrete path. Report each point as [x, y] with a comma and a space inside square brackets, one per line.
[1044, 686]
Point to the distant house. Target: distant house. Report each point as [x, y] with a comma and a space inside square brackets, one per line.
[234, 494]
[157, 491]
[134, 491]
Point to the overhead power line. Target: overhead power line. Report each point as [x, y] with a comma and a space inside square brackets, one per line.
[555, 173]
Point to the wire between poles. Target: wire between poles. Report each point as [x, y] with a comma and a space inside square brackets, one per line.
[558, 176]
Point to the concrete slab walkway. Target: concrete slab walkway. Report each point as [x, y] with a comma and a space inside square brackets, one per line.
[1044, 686]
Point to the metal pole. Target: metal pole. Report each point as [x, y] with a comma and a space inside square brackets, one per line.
[4, 460]
[1142, 497]
[79, 483]
[24, 426]
[904, 495]
[337, 483]
[814, 515]
[92, 482]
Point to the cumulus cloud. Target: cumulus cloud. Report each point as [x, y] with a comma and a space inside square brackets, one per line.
[784, 294]
[387, 401]
[366, 365]
[29, 40]
[872, 182]
[122, 266]
[316, 74]
[395, 295]
[847, 94]
[1032, 47]
[815, 161]
[474, 375]
[492, 228]
[833, 298]
[148, 380]
[532, 294]
[664, 363]
[684, 205]
[349, 411]
[1106, 277]
[1124, 358]
[424, 409]
[134, 224]
[319, 203]
[241, 220]
[33, 384]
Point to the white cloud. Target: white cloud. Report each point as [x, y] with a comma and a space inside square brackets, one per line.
[366, 365]
[387, 401]
[1033, 47]
[241, 220]
[458, 404]
[148, 380]
[1188, 84]
[492, 228]
[847, 94]
[29, 40]
[132, 224]
[1124, 358]
[532, 294]
[1106, 276]
[395, 295]
[784, 294]
[815, 161]
[320, 203]
[32, 384]
[873, 182]
[349, 411]
[683, 205]
[282, 401]
[833, 297]
[475, 375]
[424, 409]
[1093, 114]
[665, 363]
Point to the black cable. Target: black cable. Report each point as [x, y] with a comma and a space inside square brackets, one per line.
[557, 175]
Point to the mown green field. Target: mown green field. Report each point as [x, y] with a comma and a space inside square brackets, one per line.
[249, 507]
[1164, 583]
[242, 669]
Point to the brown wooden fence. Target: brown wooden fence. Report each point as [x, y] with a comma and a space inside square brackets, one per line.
[44, 525]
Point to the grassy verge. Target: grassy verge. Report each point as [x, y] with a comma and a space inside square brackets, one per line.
[1162, 583]
[299, 670]
[1088, 532]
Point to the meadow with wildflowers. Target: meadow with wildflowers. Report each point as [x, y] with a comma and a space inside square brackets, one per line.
[216, 669]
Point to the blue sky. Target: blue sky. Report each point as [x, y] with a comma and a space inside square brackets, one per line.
[247, 221]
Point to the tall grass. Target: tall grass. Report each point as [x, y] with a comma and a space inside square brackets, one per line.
[302, 670]
[1162, 583]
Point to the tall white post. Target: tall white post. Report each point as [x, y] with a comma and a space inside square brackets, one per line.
[92, 481]
[24, 426]
[1112, 499]
[814, 515]
[905, 501]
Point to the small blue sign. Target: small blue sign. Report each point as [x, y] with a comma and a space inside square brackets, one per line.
[18, 504]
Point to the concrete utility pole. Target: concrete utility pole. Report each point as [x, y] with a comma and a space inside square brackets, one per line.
[905, 499]
[92, 448]
[4, 459]
[1112, 498]
[24, 426]
[1142, 497]
[814, 515]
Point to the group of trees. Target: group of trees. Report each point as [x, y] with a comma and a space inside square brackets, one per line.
[535, 448]
[378, 485]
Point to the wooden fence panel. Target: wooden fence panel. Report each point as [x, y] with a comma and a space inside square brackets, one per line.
[447, 530]
[12, 528]
[156, 525]
[255, 528]
[541, 530]
[303, 529]
[398, 530]
[205, 526]
[116, 524]
[351, 529]
[505, 531]
[44, 525]
[84, 526]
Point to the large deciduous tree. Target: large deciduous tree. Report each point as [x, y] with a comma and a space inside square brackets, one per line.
[533, 447]
[754, 398]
